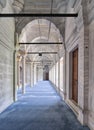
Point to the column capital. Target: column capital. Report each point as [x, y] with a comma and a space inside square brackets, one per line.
[22, 53]
[23, 57]
[18, 58]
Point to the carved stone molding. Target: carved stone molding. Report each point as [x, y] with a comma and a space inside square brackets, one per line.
[18, 5]
[2, 3]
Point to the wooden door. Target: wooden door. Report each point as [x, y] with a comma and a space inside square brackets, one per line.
[75, 76]
[47, 76]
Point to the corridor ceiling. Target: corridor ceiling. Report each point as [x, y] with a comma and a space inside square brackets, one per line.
[40, 6]
[36, 29]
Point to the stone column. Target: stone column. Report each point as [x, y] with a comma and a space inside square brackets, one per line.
[18, 71]
[32, 75]
[15, 76]
[64, 73]
[59, 74]
[55, 74]
[52, 74]
[23, 74]
[55, 70]
[36, 74]
[15, 54]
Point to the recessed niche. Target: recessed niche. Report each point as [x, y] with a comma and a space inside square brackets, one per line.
[3, 3]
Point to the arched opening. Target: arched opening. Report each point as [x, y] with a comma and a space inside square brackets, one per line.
[37, 59]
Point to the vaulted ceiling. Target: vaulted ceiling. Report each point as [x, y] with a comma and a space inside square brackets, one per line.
[35, 29]
[40, 6]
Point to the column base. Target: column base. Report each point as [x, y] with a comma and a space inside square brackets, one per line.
[83, 116]
[23, 91]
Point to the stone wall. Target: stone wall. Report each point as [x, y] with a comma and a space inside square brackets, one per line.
[91, 76]
[91, 64]
[76, 36]
[6, 59]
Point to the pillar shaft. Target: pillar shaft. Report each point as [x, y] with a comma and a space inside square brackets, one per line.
[18, 73]
[35, 73]
[32, 75]
[23, 74]
[15, 76]
[59, 74]
[55, 74]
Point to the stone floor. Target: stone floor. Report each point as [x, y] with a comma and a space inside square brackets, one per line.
[41, 108]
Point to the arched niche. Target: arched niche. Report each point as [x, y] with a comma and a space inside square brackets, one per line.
[2, 3]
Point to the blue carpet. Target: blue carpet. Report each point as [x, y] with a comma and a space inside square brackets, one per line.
[41, 108]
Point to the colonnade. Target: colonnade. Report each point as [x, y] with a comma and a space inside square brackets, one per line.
[55, 73]
[21, 75]
[56, 76]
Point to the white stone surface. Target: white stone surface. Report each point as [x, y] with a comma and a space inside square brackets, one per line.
[6, 59]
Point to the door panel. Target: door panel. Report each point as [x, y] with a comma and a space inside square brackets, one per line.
[75, 76]
[47, 76]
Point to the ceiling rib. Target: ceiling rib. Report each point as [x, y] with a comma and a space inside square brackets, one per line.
[50, 20]
[39, 28]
